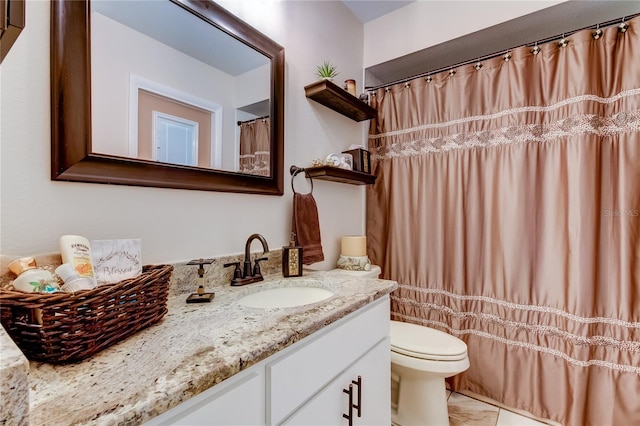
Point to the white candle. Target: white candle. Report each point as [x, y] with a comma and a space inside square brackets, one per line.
[354, 245]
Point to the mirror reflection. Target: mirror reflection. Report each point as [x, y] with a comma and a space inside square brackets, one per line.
[181, 92]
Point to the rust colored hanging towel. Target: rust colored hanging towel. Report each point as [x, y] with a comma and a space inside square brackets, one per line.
[306, 226]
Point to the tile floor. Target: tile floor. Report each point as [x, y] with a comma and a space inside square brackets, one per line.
[467, 411]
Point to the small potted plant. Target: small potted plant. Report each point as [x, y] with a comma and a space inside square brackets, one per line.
[326, 71]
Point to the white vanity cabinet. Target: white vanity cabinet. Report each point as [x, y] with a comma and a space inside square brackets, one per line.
[239, 400]
[329, 357]
[303, 384]
[370, 399]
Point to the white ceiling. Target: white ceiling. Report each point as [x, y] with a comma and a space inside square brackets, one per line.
[177, 28]
[368, 10]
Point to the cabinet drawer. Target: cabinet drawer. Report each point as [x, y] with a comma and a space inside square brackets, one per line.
[296, 377]
[238, 400]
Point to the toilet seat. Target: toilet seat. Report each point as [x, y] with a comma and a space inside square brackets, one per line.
[425, 343]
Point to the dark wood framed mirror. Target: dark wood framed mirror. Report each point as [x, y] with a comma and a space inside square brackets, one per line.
[73, 155]
[11, 24]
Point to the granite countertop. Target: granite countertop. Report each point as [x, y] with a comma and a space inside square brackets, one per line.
[194, 347]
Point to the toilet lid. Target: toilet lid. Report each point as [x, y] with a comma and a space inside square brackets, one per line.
[425, 343]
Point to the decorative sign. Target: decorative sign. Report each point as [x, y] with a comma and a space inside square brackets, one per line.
[116, 260]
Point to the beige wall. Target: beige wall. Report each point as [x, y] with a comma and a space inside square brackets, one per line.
[178, 224]
[174, 224]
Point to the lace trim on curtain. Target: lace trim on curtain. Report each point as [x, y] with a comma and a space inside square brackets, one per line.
[530, 133]
[465, 308]
[547, 350]
[563, 103]
[256, 165]
[534, 308]
[624, 345]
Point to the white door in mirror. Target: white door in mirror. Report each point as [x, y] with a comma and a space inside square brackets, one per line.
[175, 139]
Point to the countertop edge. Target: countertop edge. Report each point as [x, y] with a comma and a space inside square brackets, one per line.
[14, 383]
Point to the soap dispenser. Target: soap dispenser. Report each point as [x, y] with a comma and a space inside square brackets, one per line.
[292, 259]
[201, 296]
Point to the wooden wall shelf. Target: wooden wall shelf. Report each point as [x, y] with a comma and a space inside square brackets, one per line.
[336, 174]
[332, 96]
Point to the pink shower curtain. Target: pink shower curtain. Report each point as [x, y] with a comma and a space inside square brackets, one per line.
[255, 147]
[507, 206]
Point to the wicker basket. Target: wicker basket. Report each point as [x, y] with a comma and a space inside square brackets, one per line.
[69, 327]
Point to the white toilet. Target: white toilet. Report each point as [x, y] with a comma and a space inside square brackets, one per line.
[421, 358]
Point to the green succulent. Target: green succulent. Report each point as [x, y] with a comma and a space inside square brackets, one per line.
[326, 70]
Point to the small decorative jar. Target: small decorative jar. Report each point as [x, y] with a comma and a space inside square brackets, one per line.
[350, 86]
[30, 278]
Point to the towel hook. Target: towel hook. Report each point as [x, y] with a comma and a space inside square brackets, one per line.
[294, 170]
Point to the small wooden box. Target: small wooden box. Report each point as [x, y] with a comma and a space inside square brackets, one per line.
[361, 161]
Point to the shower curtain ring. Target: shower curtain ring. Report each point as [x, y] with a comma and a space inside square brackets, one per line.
[597, 33]
[623, 27]
[563, 41]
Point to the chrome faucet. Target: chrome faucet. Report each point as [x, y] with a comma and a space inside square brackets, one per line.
[249, 275]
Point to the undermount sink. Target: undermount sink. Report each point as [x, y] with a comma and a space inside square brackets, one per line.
[285, 297]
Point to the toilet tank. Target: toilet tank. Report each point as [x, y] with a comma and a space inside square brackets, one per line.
[374, 272]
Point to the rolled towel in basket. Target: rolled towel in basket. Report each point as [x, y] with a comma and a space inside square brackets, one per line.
[306, 226]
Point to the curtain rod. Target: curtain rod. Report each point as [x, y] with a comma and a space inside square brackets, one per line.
[619, 21]
[253, 119]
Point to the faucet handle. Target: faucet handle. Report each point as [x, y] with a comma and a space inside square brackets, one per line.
[237, 272]
[256, 266]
